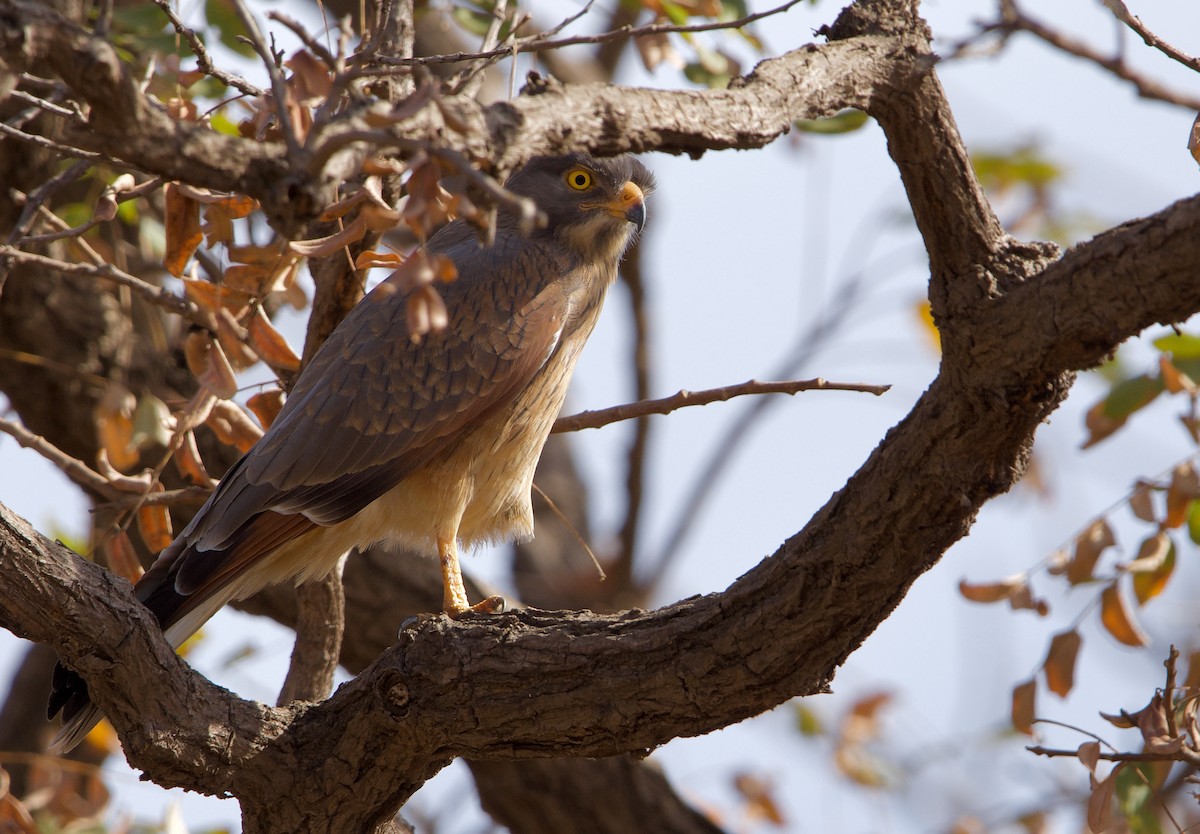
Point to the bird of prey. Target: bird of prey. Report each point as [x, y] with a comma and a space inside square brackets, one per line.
[429, 442]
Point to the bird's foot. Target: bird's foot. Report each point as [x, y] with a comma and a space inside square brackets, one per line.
[491, 605]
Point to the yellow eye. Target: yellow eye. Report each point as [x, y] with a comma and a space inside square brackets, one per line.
[579, 179]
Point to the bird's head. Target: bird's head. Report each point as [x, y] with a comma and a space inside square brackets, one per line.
[595, 206]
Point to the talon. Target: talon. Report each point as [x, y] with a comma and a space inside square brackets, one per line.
[491, 605]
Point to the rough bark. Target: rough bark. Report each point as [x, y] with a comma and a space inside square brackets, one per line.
[1016, 324]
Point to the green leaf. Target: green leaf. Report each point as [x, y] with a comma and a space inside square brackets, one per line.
[676, 13]
[223, 17]
[475, 22]
[1179, 345]
[1131, 395]
[807, 721]
[1193, 522]
[846, 121]
[1135, 798]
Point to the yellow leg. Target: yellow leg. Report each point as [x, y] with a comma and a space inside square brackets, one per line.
[454, 594]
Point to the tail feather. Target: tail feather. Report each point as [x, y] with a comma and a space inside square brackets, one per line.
[180, 615]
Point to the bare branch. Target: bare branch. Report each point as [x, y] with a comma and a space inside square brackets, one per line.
[1014, 19]
[155, 295]
[684, 398]
[1122, 13]
[203, 61]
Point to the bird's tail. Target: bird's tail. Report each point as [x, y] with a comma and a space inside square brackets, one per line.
[180, 615]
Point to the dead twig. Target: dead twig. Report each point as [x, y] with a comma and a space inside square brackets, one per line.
[685, 398]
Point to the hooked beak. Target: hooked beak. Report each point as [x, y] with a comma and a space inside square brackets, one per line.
[629, 205]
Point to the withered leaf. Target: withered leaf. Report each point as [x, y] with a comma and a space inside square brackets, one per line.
[1088, 547]
[230, 335]
[1149, 583]
[270, 345]
[760, 803]
[1118, 620]
[182, 229]
[1024, 699]
[1174, 380]
[154, 524]
[266, 405]
[1060, 662]
[1184, 488]
[120, 556]
[233, 426]
[990, 591]
[320, 247]
[1100, 803]
[187, 460]
[1089, 754]
[1141, 502]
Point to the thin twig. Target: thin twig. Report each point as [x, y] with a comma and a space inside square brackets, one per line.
[314, 46]
[278, 88]
[75, 469]
[1122, 13]
[1014, 19]
[156, 295]
[48, 144]
[635, 466]
[49, 107]
[525, 209]
[1051, 752]
[539, 44]
[684, 398]
[203, 61]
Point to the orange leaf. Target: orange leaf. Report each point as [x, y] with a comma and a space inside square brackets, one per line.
[121, 557]
[1024, 697]
[1100, 424]
[216, 374]
[371, 259]
[1174, 380]
[1118, 619]
[266, 406]
[212, 297]
[269, 344]
[114, 425]
[1088, 547]
[233, 426]
[154, 523]
[760, 804]
[247, 278]
[182, 229]
[322, 246]
[187, 459]
[989, 591]
[229, 334]
[1060, 662]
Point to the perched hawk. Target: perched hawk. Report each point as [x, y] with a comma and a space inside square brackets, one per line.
[430, 442]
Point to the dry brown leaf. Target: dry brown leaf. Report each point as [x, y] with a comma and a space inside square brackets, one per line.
[120, 556]
[656, 49]
[267, 256]
[1099, 424]
[1024, 701]
[270, 345]
[212, 297]
[233, 426]
[1089, 754]
[861, 723]
[1118, 619]
[114, 425]
[1088, 547]
[1060, 662]
[232, 338]
[266, 405]
[310, 78]
[1174, 380]
[187, 459]
[216, 373]
[154, 524]
[1100, 803]
[990, 591]
[324, 246]
[1194, 140]
[1184, 488]
[371, 259]
[1141, 502]
[1022, 599]
[1151, 554]
[757, 793]
[181, 228]
[1122, 720]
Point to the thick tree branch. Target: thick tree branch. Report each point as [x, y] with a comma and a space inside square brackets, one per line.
[809, 82]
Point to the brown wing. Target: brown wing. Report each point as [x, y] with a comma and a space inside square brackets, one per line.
[373, 406]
